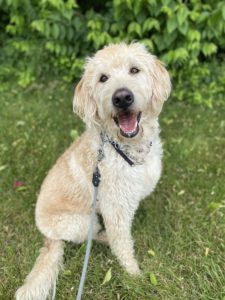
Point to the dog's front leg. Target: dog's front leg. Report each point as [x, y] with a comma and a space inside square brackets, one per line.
[118, 229]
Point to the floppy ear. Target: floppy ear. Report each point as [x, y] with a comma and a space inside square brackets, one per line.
[83, 102]
[161, 85]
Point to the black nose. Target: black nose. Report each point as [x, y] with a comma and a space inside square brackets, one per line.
[122, 98]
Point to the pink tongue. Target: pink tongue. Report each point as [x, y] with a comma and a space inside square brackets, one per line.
[127, 122]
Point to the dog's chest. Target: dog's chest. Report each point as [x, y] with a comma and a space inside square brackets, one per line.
[122, 182]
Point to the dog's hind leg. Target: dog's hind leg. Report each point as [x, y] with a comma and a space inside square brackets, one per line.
[67, 227]
[41, 281]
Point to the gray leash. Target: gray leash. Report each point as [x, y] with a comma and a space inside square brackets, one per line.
[95, 181]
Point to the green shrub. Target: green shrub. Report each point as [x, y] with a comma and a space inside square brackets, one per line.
[205, 84]
[42, 37]
[54, 36]
[179, 32]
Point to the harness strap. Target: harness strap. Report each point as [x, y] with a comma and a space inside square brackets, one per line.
[116, 146]
[121, 153]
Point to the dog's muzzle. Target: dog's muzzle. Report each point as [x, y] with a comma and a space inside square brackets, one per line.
[126, 118]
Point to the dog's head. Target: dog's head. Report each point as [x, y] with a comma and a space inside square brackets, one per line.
[122, 86]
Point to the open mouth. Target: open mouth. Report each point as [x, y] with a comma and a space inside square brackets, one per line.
[128, 123]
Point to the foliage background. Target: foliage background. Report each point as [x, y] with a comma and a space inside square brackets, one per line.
[52, 37]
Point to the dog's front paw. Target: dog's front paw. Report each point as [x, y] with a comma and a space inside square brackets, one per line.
[133, 269]
[23, 293]
[32, 292]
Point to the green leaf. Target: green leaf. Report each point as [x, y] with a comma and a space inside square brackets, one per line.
[193, 35]
[108, 276]
[74, 134]
[203, 16]
[184, 28]
[158, 41]
[91, 36]
[209, 49]
[3, 167]
[168, 39]
[137, 7]
[67, 273]
[223, 11]
[180, 193]
[50, 46]
[63, 50]
[47, 29]
[180, 55]
[213, 206]
[182, 14]
[22, 188]
[206, 251]
[148, 43]
[57, 48]
[171, 24]
[166, 2]
[68, 14]
[166, 10]
[152, 2]
[38, 25]
[70, 33]
[79, 25]
[194, 46]
[129, 3]
[151, 252]
[151, 23]
[62, 32]
[134, 27]
[114, 29]
[153, 279]
[55, 30]
[194, 15]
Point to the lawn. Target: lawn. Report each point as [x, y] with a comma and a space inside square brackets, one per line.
[183, 222]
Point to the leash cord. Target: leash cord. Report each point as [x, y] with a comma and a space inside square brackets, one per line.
[95, 181]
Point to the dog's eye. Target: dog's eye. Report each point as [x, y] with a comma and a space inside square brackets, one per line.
[103, 78]
[134, 70]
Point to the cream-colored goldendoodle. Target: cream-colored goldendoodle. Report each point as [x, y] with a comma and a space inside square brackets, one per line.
[119, 98]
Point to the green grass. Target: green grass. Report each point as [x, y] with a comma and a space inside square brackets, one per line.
[183, 222]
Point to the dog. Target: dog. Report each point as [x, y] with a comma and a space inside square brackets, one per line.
[119, 97]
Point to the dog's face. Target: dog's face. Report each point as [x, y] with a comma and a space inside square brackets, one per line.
[122, 87]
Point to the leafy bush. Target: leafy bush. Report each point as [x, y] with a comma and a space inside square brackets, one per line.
[54, 36]
[43, 36]
[179, 32]
[205, 84]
